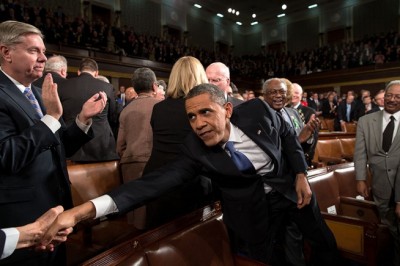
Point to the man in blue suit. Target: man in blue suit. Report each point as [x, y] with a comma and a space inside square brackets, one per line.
[254, 201]
[33, 139]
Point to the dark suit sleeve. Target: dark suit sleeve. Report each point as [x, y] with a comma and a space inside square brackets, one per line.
[137, 192]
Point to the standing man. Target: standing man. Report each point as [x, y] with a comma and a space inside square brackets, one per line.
[219, 75]
[33, 142]
[57, 66]
[346, 112]
[73, 93]
[378, 146]
[264, 187]
[379, 101]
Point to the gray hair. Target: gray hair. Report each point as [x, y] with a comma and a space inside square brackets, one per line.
[392, 83]
[56, 63]
[268, 81]
[143, 79]
[11, 32]
[216, 95]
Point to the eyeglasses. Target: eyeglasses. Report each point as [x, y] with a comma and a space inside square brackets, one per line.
[276, 92]
[390, 96]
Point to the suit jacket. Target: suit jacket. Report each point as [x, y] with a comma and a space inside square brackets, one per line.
[56, 79]
[313, 105]
[242, 196]
[368, 150]
[341, 112]
[2, 242]
[326, 110]
[305, 113]
[135, 137]
[298, 125]
[73, 94]
[33, 172]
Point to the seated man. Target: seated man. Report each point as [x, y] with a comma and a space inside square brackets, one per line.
[257, 193]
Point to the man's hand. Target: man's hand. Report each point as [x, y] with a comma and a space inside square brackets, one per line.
[362, 188]
[309, 129]
[94, 106]
[31, 234]
[50, 98]
[303, 191]
[66, 220]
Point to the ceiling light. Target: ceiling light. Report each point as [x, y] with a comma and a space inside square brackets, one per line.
[237, 13]
[312, 6]
[281, 15]
[239, 23]
[197, 5]
[233, 11]
[220, 15]
[284, 6]
[254, 23]
[254, 16]
[229, 10]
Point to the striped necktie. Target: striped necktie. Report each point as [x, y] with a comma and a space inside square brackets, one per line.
[29, 95]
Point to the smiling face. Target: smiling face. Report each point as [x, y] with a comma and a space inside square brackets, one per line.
[25, 61]
[209, 120]
[275, 94]
[392, 99]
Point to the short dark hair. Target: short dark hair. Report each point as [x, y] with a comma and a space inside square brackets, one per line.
[216, 94]
[88, 64]
[143, 79]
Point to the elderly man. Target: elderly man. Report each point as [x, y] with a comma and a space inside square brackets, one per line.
[219, 75]
[378, 146]
[33, 139]
[255, 162]
[57, 66]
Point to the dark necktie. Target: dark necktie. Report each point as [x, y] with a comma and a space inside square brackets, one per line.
[242, 162]
[28, 94]
[388, 135]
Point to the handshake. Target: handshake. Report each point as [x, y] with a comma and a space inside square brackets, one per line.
[44, 234]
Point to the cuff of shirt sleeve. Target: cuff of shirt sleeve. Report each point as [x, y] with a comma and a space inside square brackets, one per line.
[51, 122]
[104, 205]
[12, 236]
[84, 127]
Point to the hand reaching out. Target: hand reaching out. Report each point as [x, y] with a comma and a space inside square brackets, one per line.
[303, 191]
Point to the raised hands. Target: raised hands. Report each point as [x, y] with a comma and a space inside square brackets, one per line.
[309, 129]
[50, 97]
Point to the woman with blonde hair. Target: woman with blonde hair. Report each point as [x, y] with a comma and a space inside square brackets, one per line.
[170, 127]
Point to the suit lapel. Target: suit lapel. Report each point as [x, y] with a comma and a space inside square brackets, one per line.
[377, 128]
[15, 96]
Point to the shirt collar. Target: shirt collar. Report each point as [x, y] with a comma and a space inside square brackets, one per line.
[234, 135]
[386, 116]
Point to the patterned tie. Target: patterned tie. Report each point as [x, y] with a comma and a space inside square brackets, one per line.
[242, 162]
[28, 94]
[388, 135]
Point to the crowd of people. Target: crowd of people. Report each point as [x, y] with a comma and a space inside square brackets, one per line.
[199, 144]
[58, 28]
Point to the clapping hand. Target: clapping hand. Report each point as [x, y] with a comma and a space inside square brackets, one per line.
[94, 106]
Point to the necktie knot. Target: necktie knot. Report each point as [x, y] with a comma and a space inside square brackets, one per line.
[241, 161]
[29, 95]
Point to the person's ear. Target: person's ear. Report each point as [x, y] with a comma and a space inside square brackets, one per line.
[229, 109]
[5, 53]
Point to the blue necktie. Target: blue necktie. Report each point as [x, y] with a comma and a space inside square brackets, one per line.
[28, 94]
[241, 161]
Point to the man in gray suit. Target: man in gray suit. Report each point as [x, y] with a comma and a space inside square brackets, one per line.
[383, 159]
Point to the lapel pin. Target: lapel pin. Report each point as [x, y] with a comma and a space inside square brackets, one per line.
[258, 132]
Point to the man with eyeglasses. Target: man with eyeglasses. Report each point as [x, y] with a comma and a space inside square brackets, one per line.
[378, 146]
[275, 94]
[219, 75]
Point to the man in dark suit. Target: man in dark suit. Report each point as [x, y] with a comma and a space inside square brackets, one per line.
[346, 111]
[57, 66]
[26, 236]
[256, 200]
[379, 101]
[219, 75]
[33, 142]
[73, 93]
